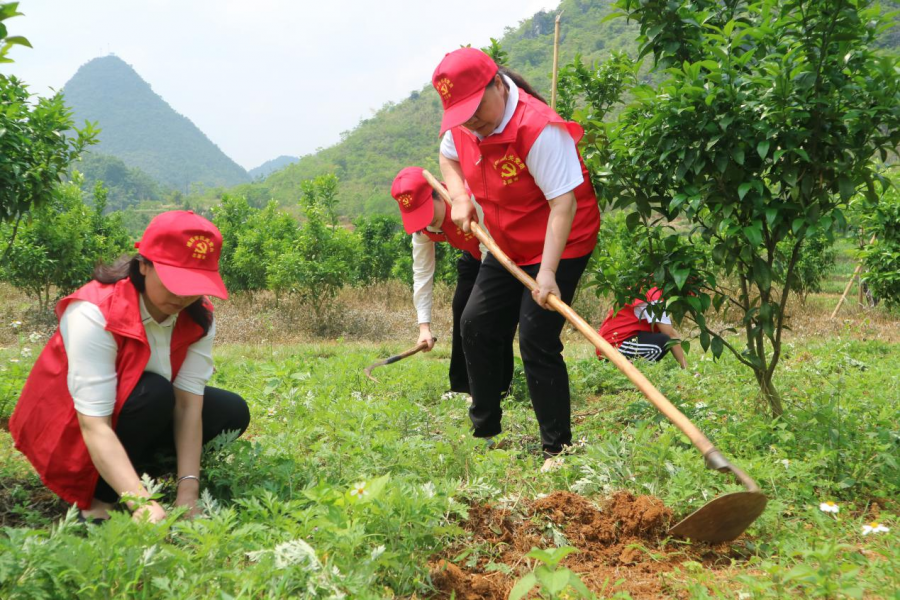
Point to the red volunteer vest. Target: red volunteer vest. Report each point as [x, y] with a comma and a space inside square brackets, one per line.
[620, 326]
[515, 209]
[455, 236]
[45, 425]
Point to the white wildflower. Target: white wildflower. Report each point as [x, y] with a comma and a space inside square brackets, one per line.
[429, 489]
[34, 338]
[829, 507]
[26, 352]
[14, 360]
[700, 405]
[271, 412]
[786, 462]
[15, 324]
[376, 552]
[874, 527]
[359, 489]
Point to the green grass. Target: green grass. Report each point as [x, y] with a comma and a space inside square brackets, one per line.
[281, 520]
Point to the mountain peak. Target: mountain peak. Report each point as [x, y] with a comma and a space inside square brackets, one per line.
[141, 129]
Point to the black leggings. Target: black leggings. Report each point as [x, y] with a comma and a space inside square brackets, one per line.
[146, 424]
[647, 345]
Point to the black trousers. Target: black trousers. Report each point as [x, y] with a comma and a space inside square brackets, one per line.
[498, 304]
[146, 424]
[467, 268]
[647, 345]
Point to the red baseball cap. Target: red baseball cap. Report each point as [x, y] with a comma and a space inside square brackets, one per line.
[460, 80]
[185, 250]
[413, 196]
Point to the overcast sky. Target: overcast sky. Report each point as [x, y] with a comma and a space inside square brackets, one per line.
[261, 77]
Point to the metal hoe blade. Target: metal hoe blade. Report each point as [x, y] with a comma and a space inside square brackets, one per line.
[724, 518]
[393, 359]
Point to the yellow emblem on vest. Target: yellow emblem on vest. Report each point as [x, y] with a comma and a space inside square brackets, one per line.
[510, 167]
[200, 246]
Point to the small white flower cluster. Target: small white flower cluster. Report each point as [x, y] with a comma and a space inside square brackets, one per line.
[429, 489]
[15, 324]
[26, 351]
[34, 338]
[829, 507]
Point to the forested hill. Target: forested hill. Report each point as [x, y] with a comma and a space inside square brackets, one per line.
[270, 166]
[405, 133]
[141, 129]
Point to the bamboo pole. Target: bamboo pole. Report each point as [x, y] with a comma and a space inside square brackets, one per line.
[850, 283]
[555, 61]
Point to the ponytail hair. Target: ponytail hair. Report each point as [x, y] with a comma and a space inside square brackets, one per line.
[520, 82]
[130, 267]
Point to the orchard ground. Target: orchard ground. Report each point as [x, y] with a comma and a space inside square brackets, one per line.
[345, 486]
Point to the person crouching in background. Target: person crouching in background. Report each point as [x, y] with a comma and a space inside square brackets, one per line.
[639, 334]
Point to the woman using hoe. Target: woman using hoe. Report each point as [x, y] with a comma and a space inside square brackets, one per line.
[520, 160]
[124, 377]
[427, 218]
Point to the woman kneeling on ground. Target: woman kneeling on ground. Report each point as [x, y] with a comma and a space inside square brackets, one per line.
[427, 217]
[123, 379]
[638, 333]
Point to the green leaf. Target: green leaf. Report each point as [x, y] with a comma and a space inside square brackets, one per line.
[680, 276]
[763, 149]
[717, 346]
[522, 587]
[557, 581]
[848, 189]
[743, 189]
[754, 234]
[18, 39]
[633, 220]
[738, 155]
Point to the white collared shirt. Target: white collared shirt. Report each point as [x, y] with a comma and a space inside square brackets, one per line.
[553, 159]
[91, 352]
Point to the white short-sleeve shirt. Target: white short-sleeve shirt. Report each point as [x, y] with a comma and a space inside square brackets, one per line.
[91, 352]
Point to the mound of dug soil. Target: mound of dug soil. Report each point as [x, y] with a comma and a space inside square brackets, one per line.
[620, 542]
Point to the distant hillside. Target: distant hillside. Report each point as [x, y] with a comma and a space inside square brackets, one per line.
[140, 128]
[406, 133]
[127, 186]
[270, 166]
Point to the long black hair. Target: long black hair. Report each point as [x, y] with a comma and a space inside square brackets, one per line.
[130, 267]
[520, 82]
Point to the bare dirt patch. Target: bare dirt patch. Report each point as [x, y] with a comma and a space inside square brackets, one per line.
[622, 546]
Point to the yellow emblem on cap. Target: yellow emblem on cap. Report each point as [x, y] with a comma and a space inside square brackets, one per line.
[444, 87]
[405, 200]
[201, 246]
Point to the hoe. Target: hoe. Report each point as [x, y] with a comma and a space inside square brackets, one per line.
[723, 518]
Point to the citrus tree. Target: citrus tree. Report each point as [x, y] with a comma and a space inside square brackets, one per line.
[769, 115]
[37, 140]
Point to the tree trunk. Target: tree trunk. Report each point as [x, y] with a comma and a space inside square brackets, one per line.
[769, 393]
